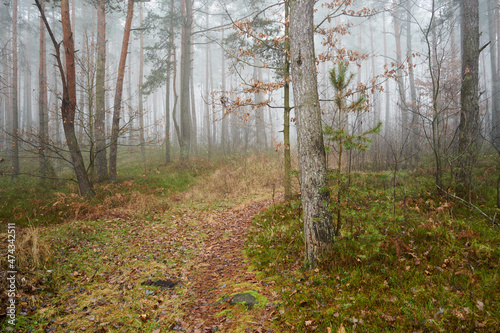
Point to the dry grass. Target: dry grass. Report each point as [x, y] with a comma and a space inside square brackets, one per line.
[32, 251]
[256, 174]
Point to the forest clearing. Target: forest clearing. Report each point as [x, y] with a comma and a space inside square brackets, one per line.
[249, 166]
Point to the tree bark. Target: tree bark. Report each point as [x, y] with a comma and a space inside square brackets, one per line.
[115, 128]
[469, 113]
[318, 226]
[101, 162]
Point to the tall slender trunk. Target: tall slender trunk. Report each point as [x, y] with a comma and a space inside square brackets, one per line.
[318, 224]
[28, 116]
[400, 78]
[14, 94]
[115, 128]
[141, 81]
[214, 124]
[207, 92]
[412, 108]
[259, 99]
[495, 82]
[186, 135]
[287, 182]
[194, 129]
[167, 96]
[387, 87]
[43, 120]
[101, 162]
[174, 78]
[224, 131]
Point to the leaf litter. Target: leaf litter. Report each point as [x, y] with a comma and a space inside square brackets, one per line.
[154, 275]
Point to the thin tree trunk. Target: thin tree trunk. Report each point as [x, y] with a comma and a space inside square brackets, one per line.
[141, 80]
[42, 100]
[224, 131]
[318, 226]
[495, 82]
[194, 128]
[413, 92]
[28, 118]
[207, 93]
[387, 90]
[287, 182]
[115, 128]
[400, 79]
[186, 135]
[15, 111]
[101, 162]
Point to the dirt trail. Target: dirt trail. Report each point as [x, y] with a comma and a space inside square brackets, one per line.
[222, 271]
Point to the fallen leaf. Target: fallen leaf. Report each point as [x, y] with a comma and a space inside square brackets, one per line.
[480, 305]
[341, 329]
[308, 322]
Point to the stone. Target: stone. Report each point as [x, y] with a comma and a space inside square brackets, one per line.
[244, 298]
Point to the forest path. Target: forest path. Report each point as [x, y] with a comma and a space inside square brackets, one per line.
[174, 271]
[220, 270]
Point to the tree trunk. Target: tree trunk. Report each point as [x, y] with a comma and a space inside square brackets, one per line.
[469, 113]
[185, 137]
[259, 110]
[101, 162]
[224, 132]
[141, 80]
[287, 182]
[208, 65]
[194, 128]
[495, 82]
[400, 79]
[412, 109]
[15, 112]
[115, 128]
[318, 226]
[43, 121]
[28, 117]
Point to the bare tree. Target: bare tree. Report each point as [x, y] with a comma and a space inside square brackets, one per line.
[68, 105]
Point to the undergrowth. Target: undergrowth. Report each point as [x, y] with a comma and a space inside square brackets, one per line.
[406, 261]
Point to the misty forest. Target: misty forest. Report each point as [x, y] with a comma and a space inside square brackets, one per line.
[250, 166]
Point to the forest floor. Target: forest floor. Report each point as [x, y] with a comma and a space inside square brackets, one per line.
[174, 266]
[175, 272]
[182, 247]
